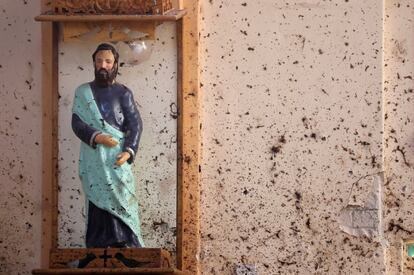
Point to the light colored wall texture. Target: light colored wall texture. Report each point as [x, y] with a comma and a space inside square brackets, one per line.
[398, 131]
[292, 136]
[20, 137]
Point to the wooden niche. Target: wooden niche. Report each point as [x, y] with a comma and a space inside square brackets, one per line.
[58, 15]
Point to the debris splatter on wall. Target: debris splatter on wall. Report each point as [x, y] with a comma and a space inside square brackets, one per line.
[307, 136]
[21, 137]
[398, 132]
[292, 119]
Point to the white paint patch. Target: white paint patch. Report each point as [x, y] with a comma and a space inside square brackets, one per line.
[364, 220]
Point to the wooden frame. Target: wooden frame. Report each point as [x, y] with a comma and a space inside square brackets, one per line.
[172, 15]
[188, 151]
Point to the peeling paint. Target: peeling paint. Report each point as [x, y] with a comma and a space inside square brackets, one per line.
[364, 219]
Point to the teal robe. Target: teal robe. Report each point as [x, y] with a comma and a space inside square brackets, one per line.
[106, 185]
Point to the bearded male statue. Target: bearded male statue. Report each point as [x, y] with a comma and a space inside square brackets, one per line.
[106, 119]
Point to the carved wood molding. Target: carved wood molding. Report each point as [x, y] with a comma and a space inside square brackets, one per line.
[71, 7]
[110, 258]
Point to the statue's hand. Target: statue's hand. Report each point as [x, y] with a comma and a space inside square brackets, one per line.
[106, 140]
[122, 158]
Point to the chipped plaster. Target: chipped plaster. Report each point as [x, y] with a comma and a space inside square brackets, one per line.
[363, 218]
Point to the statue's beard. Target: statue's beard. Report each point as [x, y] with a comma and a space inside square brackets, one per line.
[104, 77]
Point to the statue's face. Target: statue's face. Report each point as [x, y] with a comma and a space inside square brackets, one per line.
[104, 60]
[105, 70]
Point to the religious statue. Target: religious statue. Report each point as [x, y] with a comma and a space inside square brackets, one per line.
[106, 119]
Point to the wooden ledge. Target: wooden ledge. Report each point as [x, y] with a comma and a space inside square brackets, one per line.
[120, 271]
[172, 15]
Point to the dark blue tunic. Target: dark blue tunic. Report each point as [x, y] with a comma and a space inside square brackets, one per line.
[117, 107]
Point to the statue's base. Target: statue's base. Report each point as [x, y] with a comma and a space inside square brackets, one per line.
[109, 261]
[120, 271]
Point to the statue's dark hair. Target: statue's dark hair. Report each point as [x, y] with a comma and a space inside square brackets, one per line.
[105, 47]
